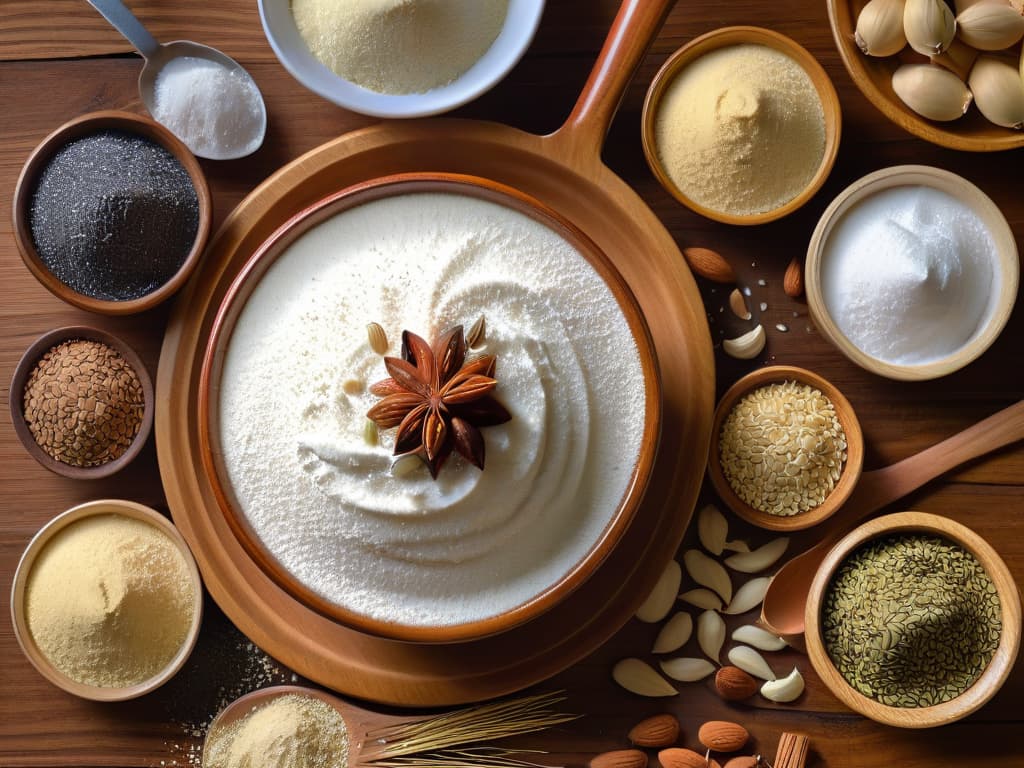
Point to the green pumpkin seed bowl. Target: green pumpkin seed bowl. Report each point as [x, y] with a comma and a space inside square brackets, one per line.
[913, 620]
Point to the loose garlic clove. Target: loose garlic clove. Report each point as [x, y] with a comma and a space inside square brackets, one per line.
[641, 678]
[760, 558]
[712, 529]
[675, 634]
[661, 599]
[758, 638]
[932, 92]
[786, 689]
[687, 670]
[711, 634]
[749, 596]
[990, 26]
[708, 573]
[746, 347]
[702, 598]
[998, 89]
[751, 662]
[929, 25]
[880, 28]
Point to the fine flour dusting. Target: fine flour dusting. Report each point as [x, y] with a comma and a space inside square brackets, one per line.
[471, 544]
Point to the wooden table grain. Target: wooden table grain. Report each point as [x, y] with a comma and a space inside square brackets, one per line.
[58, 59]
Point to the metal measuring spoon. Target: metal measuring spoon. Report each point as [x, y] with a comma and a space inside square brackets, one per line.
[158, 55]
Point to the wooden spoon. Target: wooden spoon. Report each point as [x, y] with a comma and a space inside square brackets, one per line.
[782, 611]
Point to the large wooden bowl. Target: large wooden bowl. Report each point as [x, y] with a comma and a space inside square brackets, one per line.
[220, 337]
[873, 76]
[991, 679]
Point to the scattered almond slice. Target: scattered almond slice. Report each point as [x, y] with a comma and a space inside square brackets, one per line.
[642, 679]
[711, 634]
[785, 690]
[675, 634]
[702, 598]
[712, 529]
[760, 558]
[749, 595]
[737, 545]
[708, 573]
[687, 670]
[751, 662]
[659, 602]
[759, 638]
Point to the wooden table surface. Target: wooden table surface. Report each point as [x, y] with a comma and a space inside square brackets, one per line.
[58, 59]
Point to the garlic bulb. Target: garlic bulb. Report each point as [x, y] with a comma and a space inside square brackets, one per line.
[932, 92]
[929, 26]
[998, 91]
[990, 26]
[880, 28]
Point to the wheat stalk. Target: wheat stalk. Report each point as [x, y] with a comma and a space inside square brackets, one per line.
[483, 757]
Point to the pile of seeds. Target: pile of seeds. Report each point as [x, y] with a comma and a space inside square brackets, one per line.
[782, 448]
[911, 621]
[83, 403]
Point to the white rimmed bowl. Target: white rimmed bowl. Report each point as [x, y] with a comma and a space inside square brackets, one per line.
[516, 34]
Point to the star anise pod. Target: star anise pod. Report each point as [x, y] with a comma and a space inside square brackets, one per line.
[438, 399]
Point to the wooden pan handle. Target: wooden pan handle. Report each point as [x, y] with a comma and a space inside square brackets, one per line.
[634, 29]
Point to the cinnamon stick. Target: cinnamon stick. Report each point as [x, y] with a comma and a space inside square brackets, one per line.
[792, 751]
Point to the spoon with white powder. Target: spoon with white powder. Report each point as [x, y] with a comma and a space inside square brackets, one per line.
[201, 95]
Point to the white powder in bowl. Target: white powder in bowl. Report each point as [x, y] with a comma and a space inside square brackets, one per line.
[470, 545]
[907, 274]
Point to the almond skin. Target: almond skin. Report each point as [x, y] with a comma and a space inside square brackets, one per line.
[620, 758]
[793, 280]
[723, 736]
[676, 757]
[733, 684]
[742, 762]
[657, 731]
[709, 264]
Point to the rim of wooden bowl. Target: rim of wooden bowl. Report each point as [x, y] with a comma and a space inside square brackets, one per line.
[995, 674]
[85, 125]
[723, 38]
[246, 281]
[27, 363]
[24, 637]
[873, 77]
[851, 470]
[1005, 265]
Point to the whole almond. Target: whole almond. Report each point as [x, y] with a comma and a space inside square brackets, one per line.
[657, 731]
[723, 736]
[677, 757]
[733, 684]
[747, 761]
[793, 280]
[709, 264]
[620, 758]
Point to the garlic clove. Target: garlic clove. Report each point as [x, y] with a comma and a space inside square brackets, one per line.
[880, 28]
[675, 634]
[708, 573]
[998, 89]
[641, 678]
[990, 26]
[687, 670]
[751, 662]
[785, 689]
[746, 347]
[761, 558]
[958, 58]
[702, 598]
[661, 599]
[758, 638]
[929, 25]
[737, 545]
[711, 634]
[749, 596]
[712, 529]
[933, 92]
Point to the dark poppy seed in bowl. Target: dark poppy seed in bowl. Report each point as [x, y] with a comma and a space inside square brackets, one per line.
[114, 215]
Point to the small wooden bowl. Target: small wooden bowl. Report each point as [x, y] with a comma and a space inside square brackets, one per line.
[873, 76]
[723, 38]
[1006, 268]
[854, 451]
[984, 688]
[20, 621]
[21, 373]
[29, 179]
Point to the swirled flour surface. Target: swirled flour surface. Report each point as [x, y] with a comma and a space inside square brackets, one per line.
[471, 544]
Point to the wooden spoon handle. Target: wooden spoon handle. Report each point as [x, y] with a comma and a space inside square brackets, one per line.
[635, 27]
[884, 486]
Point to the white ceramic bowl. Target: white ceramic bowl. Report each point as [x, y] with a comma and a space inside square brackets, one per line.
[520, 25]
[1004, 262]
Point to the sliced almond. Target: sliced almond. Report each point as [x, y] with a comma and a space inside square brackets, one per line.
[749, 595]
[786, 689]
[748, 346]
[702, 598]
[759, 638]
[712, 529]
[760, 558]
[708, 573]
[751, 662]
[737, 545]
[371, 436]
[477, 333]
[661, 599]
[738, 304]
[675, 634]
[711, 634]
[642, 679]
[376, 337]
[687, 670]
